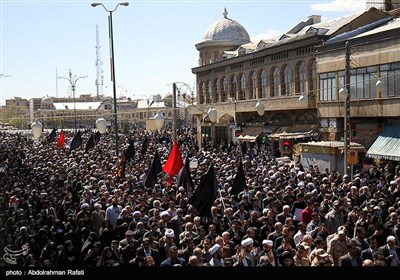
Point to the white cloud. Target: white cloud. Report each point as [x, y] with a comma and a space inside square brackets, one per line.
[270, 35]
[340, 6]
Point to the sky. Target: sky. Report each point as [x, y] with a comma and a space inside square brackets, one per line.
[154, 41]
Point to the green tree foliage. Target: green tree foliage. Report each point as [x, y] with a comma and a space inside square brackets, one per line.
[14, 115]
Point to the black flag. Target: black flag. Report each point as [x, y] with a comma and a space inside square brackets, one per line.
[90, 143]
[96, 137]
[185, 178]
[76, 141]
[206, 192]
[130, 151]
[52, 136]
[144, 146]
[239, 183]
[154, 170]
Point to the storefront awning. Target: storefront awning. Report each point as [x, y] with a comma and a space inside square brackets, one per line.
[252, 131]
[387, 145]
[247, 138]
[294, 131]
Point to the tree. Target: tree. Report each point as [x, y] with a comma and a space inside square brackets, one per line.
[14, 115]
[125, 125]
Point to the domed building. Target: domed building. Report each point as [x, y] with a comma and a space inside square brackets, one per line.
[272, 93]
[224, 35]
[47, 103]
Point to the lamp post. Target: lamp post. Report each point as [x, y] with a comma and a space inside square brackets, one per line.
[159, 120]
[212, 114]
[36, 127]
[185, 97]
[72, 80]
[344, 94]
[303, 97]
[174, 111]
[260, 108]
[112, 61]
[101, 125]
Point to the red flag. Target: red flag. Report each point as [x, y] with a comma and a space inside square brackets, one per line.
[174, 163]
[61, 140]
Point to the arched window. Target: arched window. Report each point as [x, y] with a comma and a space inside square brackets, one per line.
[253, 86]
[218, 90]
[203, 93]
[312, 77]
[274, 84]
[224, 89]
[300, 78]
[263, 79]
[285, 80]
[208, 58]
[243, 84]
[214, 91]
[215, 56]
[234, 87]
[209, 93]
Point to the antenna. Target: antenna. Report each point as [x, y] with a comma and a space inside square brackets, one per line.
[99, 64]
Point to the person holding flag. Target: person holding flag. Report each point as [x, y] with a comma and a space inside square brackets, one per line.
[174, 163]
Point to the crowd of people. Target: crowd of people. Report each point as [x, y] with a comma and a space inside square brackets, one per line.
[72, 208]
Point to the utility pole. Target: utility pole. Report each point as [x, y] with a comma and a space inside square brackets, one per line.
[347, 125]
[174, 111]
[73, 94]
[112, 66]
[72, 80]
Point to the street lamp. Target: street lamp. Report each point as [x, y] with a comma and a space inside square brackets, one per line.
[101, 125]
[303, 97]
[184, 95]
[260, 108]
[345, 96]
[174, 111]
[212, 114]
[36, 127]
[159, 120]
[72, 80]
[112, 61]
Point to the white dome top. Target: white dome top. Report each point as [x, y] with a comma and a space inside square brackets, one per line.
[47, 100]
[227, 29]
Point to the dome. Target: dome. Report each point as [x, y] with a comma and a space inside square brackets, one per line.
[227, 29]
[47, 101]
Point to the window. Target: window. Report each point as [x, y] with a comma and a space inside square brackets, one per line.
[219, 92]
[208, 58]
[286, 80]
[224, 89]
[253, 85]
[202, 93]
[243, 84]
[233, 87]
[263, 84]
[209, 92]
[300, 78]
[312, 82]
[390, 74]
[274, 82]
[363, 83]
[327, 85]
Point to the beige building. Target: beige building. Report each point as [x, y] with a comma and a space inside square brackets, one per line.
[297, 79]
